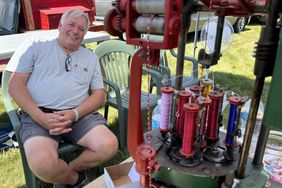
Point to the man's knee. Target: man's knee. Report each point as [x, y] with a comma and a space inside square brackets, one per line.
[108, 147]
[105, 143]
[41, 160]
[42, 166]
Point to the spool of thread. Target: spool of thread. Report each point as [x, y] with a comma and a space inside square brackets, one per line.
[207, 86]
[183, 98]
[235, 102]
[191, 115]
[165, 108]
[204, 103]
[214, 110]
[196, 91]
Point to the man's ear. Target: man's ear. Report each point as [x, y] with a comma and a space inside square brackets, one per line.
[59, 26]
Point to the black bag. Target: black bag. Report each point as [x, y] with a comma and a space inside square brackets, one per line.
[7, 137]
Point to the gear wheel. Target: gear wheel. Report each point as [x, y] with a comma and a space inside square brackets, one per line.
[116, 3]
[120, 5]
[112, 23]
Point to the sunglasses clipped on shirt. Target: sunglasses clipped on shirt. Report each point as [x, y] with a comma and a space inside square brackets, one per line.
[68, 63]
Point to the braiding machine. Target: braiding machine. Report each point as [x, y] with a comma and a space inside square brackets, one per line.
[191, 151]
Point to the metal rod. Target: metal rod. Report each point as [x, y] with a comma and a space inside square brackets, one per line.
[219, 33]
[218, 40]
[257, 91]
[157, 24]
[237, 124]
[181, 51]
[261, 145]
[149, 7]
[196, 34]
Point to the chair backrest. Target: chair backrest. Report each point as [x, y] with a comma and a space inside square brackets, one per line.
[115, 58]
[9, 16]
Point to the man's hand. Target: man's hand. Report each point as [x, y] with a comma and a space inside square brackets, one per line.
[60, 122]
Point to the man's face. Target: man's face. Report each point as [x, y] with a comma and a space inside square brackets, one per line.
[72, 32]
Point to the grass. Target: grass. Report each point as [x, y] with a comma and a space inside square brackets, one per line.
[11, 173]
[233, 72]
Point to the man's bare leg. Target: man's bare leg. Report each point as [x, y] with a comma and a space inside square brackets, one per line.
[102, 145]
[42, 156]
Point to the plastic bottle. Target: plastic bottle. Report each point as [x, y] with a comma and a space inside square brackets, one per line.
[245, 114]
[156, 115]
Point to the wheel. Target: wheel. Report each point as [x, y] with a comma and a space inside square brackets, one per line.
[240, 24]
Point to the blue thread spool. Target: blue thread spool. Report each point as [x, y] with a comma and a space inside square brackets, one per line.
[235, 102]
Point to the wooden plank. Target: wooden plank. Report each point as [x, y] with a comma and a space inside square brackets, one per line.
[28, 15]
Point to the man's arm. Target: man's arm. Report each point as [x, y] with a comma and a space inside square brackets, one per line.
[20, 94]
[92, 103]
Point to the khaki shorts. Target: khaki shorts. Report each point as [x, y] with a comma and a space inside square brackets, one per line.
[30, 128]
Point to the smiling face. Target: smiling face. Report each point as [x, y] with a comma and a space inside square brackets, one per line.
[71, 32]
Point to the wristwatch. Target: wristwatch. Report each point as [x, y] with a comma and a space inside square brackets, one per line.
[75, 111]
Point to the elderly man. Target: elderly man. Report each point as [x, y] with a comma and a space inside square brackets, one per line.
[58, 86]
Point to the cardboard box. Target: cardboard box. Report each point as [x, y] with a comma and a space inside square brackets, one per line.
[117, 176]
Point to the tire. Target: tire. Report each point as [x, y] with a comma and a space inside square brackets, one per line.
[240, 24]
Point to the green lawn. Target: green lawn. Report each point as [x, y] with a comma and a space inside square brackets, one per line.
[233, 72]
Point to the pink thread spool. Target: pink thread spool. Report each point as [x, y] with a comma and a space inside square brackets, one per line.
[204, 103]
[212, 126]
[165, 108]
[183, 98]
[191, 115]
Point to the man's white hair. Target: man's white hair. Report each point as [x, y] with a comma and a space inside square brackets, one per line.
[77, 14]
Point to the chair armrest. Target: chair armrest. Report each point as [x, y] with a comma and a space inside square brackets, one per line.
[10, 109]
[12, 113]
[194, 66]
[191, 59]
[115, 88]
[166, 70]
[156, 76]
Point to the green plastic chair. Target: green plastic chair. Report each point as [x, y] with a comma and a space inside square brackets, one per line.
[64, 148]
[115, 58]
[163, 76]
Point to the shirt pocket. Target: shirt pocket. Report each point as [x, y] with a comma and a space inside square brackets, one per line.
[82, 74]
